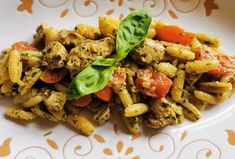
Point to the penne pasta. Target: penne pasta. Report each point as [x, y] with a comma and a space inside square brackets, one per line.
[178, 85]
[180, 53]
[215, 87]
[123, 94]
[29, 80]
[19, 113]
[196, 45]
[132, 89]
[167, 69]
[189, 115]
[37, 111]
[81, 123]
[208, 40]
[33, 101]
[135, 110]
[206, 97]
[15, 67]
[7, 87]
[201, 66]
[190, 107]
[4, 69]
[221, 97]
[132, 123]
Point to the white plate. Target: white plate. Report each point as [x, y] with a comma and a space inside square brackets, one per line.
[212, 137]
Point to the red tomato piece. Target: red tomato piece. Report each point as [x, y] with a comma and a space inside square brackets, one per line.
[23, 46]
[227, 63]
[117, 78]
[220, 71]
[173, 34]
[49, 76]
[152, 83]
[82, 101]
[105, 94]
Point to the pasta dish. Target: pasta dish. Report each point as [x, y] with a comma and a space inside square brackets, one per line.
[153, 73]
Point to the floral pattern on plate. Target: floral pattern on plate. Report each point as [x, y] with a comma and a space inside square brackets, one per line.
[88, 8]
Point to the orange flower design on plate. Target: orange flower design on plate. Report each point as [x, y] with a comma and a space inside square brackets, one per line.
[52, 144]
[230, 137]
[209, 6]
[88, 8]
[135, 136]
[25, 6]
[5, 148]
[119, 149]
[120, 4]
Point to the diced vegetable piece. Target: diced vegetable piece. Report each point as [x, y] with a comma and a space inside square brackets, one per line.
[23, 46]
[82, 101]
[226, 66]
[173, 34]
[152, 83]
[50, 76]
[105, 94]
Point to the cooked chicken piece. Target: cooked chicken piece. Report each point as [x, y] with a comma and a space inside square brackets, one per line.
[149, 52]
[87, 52]
[103, 114]
[45, 34]
[55, 101]
[68, 37]
[55, 55]
[164, 112]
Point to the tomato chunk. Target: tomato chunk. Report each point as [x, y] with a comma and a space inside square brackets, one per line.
[50, 76]
[226, 66]
[118, 77]
[82, 101]
[23, 46]
[152, 83]
[105, 94]
[173, 34]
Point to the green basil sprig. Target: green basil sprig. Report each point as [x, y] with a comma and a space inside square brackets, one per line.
[104, 62]
[131, 32]
[92, 79]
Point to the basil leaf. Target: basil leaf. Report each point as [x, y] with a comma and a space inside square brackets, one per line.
[104, 62]
[132, 31]
[92, 79]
